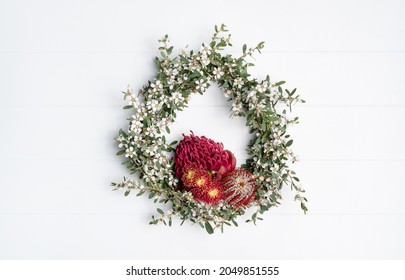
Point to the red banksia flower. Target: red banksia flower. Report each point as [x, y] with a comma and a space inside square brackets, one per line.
[239, 187]
[204, 153]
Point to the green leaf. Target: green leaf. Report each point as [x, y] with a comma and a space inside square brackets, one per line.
[127, 107]
[157, 62]
[261, 45]
[263, 126]
[280, 83]
[169, 50]
[195, 74]
[244, 48]
[167, 129]
[120, 152]
[184, 60]
[160, 211]
[121, 132]
[289, 143]
[209, 228]
[304, 208]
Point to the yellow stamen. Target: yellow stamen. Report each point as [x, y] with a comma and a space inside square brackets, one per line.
[190, 174]
[213, 192]
[200, 182]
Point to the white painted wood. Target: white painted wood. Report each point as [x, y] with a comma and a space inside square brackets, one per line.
[64, 64]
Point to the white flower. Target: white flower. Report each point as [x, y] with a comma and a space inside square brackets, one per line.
[237, 107]
[173, 181]
[121, 139]
[150, 131]
[129, 152]
[127, 93]
[275, 95]
[238, 83]
[177, 97]
[137, 118]
[277, 138]
[193, 65]
[227, 93]
[200, 85]
[136, 127]
[218, 73]
[163, 122]
[205, 50]
[153, 105]
[251, 97]
[205, 60]
[157, 87]
[262, 87]
[137, 140]
[260, 106]
[133, 100]
[151, 150]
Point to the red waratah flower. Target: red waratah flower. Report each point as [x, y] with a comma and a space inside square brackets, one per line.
[204, 153]
[239, 187]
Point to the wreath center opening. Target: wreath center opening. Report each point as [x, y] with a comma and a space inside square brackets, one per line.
[209, 115]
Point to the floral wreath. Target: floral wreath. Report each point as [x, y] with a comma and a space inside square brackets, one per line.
[197, 175]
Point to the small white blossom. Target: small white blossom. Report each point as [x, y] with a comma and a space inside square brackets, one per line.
[205, 60]
[251, 97]
[205, 50]
[237, 107]
[133, 100]
[157, 87]
[201, 85]
[153, 105]
[177, 97]
[137, 118]
[262, 87]
[151, 150]
[238, 83]
[218, 73]
[150, 131]
[136, 127]
[129, 152]
[277, 137]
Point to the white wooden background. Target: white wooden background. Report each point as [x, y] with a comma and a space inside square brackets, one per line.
[63, 65]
